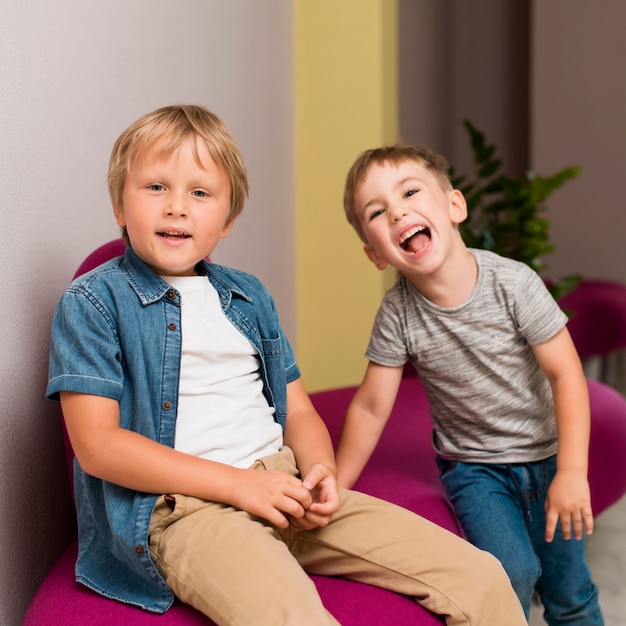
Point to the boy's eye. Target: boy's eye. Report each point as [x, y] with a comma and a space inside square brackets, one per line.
[200, 194]
[155, 187]
[375, 214]
[410, 192]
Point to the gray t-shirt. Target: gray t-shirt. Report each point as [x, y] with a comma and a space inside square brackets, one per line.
[489, 400]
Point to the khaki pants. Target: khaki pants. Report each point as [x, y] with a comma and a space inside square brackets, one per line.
[241, 570]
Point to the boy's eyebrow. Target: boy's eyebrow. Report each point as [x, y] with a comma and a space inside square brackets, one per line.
[397, 184]
[407, 179]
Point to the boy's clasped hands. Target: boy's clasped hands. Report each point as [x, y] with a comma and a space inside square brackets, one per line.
[283, 499]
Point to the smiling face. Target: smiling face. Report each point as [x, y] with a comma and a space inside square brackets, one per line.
[408, 217]
[175, 207]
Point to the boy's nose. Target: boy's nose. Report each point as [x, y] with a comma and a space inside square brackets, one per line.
[397, 213]
[176, 206]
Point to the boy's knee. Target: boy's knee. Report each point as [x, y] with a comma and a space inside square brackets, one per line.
[524, 574]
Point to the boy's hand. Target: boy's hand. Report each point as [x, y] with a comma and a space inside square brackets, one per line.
[569, 501]
[275, 496]
[322, 485]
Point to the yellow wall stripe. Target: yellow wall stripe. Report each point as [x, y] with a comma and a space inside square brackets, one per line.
[345, 102]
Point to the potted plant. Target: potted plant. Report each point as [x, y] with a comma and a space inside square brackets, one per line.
[505, 214]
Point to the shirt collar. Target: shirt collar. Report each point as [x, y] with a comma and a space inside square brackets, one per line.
[150, 287]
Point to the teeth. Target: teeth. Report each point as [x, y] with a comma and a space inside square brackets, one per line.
[411, 232]
[167, 233]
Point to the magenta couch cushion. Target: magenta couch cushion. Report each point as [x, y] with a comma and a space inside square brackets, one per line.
[599, 324]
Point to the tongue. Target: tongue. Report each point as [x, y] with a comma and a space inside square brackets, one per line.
[417, 242]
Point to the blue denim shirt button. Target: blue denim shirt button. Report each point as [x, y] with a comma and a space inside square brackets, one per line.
[172, 326]
[167, 405]
[139, 550]
[170, 294]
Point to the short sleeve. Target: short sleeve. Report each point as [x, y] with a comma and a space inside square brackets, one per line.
[85, 355]
[537, 313]
[387, 345]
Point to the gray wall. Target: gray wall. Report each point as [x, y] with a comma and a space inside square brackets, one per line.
[465, 60]
[578, 106]
[73, 75]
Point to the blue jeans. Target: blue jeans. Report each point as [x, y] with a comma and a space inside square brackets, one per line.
[501, 510]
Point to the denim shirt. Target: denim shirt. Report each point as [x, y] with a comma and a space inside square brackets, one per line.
[116, 333]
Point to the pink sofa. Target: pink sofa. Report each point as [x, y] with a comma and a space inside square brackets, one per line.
[401, 470]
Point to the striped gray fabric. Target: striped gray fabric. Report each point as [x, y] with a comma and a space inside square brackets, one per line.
[489, 400]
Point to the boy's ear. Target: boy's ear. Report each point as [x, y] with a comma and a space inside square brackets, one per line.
[226, 230]
[458, 206]
[119, 216]
[378, 261]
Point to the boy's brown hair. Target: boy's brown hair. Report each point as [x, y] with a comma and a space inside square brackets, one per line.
[395, 155]
[172, 126]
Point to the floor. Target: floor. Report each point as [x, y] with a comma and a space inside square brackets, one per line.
[606, 555]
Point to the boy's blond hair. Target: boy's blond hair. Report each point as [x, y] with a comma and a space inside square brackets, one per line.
[171, 126]
[394, 155]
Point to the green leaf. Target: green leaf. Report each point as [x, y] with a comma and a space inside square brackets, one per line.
[477, 138]
[496, 206]
[494, 186]
[489, 168]
[536, 226]
[485, 152]
[543, 187]
[474, 198]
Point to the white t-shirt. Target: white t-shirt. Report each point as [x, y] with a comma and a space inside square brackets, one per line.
[222, 412]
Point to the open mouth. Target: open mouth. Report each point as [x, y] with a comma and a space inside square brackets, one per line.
[173, 234]
[415, 239]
